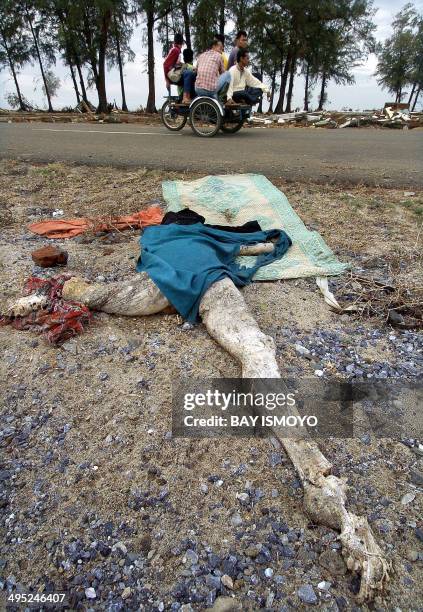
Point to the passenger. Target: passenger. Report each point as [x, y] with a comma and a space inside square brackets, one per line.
[241, 78]
[186, 86]
[187, 77]
[225, 58]
[223, 82]
[241, 42]
[172, 58]
[209, 68]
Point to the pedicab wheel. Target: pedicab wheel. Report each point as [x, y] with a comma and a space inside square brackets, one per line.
[230, 127]
[205, 117]
[171, 119]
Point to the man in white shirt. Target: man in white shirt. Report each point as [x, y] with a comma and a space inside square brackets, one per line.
[241, 78]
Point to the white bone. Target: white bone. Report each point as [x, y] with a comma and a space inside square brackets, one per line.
[26, 305]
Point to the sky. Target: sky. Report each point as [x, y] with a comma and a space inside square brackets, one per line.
[365, 94]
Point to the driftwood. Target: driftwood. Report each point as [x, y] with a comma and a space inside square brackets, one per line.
[228, 320]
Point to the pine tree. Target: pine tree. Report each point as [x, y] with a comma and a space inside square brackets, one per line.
[120, 51]
[154, 11]
[15, 46]
[36, 18]
[397, 59]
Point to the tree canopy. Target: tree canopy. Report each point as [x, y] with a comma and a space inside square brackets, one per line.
[324, 40]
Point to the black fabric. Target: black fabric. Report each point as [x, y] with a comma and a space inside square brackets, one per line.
[186, 216]
[249, 96]
[247, 228]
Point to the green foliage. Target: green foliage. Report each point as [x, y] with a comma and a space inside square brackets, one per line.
[400, 57]
[52, 83]
[325, 39]
[15, 48]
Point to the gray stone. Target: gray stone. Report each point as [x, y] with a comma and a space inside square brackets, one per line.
[236, 520]
[213, 582]
[302, 350]
[416, 477]
[190, 557]
[306, 594]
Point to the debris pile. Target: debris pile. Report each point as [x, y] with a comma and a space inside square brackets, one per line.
[82, 113]
[390, 116]
[397, 304]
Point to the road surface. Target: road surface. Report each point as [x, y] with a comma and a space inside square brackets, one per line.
[369, 156]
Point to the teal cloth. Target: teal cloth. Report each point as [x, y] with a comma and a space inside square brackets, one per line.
[184, 260]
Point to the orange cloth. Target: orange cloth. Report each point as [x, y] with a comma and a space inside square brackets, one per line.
[68, 228]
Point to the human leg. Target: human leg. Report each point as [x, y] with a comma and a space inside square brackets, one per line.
[205, 92]
[223, 80]
[244, 97]
[188, 80]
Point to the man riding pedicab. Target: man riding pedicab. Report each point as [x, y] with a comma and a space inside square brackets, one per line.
[244, 86]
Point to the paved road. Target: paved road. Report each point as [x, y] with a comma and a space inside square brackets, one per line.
[381, 157]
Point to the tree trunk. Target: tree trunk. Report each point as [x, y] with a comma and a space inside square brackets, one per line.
[22, 105]
[322, 92]
[284, 78]
[92, 57]
[306, 89]
[222, 18]
[187, 31]
[416, 99]
[101, 77]
[293, 70]
[28, 16]
[272, 90]
[260, 106]
[72, 54]
[75, 84]
[412, 93]
[122, 85]
[151, 100]
[81, 81]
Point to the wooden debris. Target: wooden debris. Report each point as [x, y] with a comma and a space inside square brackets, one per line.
[399, 305]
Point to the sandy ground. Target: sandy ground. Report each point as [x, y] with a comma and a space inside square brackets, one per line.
[87, 456]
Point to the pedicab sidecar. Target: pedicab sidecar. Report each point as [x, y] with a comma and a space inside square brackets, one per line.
[206, 116]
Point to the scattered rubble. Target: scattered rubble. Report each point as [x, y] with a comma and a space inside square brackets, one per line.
[80, 114]
[400, 118]
[390, 116]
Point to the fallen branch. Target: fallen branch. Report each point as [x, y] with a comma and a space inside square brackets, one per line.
[372, 298]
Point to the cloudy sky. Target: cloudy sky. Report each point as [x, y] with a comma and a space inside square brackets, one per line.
[364, 94]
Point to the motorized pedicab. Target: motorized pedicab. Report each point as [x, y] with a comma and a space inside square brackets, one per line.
[206, 115]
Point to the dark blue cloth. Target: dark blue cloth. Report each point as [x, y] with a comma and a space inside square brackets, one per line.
[184, 260]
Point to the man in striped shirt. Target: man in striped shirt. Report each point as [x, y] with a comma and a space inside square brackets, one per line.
[209, 68]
